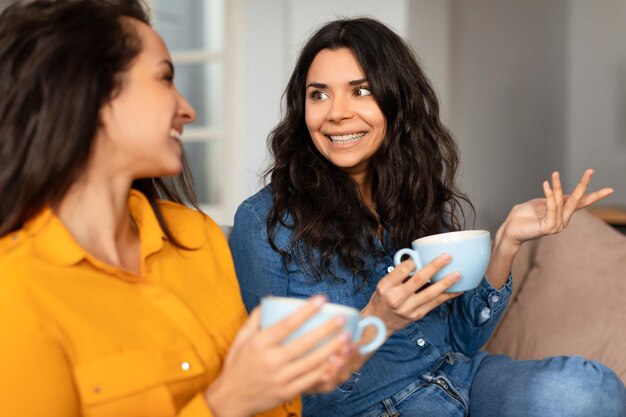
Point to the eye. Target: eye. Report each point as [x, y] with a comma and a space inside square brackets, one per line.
[363, 91]
[317, 95]
[169, 78]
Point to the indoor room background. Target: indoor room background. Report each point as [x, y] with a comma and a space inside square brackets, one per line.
[526, 87]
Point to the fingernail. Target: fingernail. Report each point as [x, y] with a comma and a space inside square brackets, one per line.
[456, 276]
[445, 257]
[344, 336]
[341, 320]
[318, 300]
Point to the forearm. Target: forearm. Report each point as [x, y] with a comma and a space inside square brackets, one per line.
[503, 252]
[475, 315]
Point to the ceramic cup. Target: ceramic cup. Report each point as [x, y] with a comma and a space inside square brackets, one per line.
[470, 251]
[274, 309]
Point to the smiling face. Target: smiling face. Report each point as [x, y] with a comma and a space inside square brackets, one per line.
[343, 118]
[143, 124]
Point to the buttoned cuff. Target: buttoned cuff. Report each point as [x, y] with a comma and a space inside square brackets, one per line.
[490, 302]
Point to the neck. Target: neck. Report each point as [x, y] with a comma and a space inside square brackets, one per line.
[363, 181]
[95, 211]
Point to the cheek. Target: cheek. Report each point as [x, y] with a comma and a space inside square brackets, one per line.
[313, 117]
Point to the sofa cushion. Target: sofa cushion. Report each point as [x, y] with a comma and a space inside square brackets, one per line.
[573, 300]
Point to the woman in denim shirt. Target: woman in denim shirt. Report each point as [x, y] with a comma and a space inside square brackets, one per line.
[362, 166]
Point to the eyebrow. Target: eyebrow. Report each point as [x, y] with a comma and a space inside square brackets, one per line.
[322, 85]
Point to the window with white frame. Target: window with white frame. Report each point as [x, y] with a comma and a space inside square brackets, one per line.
[201, 35]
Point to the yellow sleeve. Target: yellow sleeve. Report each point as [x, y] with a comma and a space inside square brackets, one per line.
[198, 407]
[35, 379]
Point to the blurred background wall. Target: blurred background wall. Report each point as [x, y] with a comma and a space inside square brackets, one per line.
[527, 86]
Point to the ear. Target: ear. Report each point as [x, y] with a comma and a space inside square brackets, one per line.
[106, 122]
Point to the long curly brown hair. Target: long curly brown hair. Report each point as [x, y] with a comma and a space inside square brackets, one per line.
[413, 185]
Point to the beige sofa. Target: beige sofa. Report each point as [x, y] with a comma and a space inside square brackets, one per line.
[569, 297]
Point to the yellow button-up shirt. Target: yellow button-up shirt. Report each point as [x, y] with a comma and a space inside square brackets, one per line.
[79, 337]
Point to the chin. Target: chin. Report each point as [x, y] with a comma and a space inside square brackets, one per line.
[170, 170]
[173, 172]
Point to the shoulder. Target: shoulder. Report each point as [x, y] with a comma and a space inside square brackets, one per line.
[192, 227]
[16, 258]
[261, 202]
[252, 216]
[256, 207]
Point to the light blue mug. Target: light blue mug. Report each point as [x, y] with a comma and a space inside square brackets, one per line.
[470, 251]
[274, 309]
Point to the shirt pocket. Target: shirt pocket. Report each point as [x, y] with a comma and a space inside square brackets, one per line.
[136, 383]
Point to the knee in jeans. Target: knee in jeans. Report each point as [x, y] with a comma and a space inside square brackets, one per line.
[584, 388]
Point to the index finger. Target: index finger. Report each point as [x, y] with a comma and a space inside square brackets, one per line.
[399, 273]
[573, 202]
[278, 331]
[425, 274]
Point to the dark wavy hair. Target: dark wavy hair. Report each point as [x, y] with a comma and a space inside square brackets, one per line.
[60, 62]
[413, 185]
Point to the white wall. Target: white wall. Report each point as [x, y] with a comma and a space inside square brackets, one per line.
[508, 92]
[597, 93]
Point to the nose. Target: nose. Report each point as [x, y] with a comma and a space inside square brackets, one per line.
[186, 112]
[340, 108]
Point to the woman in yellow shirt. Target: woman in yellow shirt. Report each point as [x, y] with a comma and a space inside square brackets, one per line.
[114, 301]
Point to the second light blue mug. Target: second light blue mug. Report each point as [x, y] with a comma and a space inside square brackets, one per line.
[470, 251]
[274, 309]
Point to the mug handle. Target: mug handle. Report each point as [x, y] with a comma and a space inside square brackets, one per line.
[397, 258]
[381, 331]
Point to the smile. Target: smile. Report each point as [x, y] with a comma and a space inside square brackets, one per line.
[341, 139]
[175, 134]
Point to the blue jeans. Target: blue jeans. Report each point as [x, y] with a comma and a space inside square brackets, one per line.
[503, 387]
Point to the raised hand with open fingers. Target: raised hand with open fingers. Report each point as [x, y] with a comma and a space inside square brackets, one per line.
[536, 218]
[551, 214]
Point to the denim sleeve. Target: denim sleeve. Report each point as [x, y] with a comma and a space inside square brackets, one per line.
[475, 315]
[259, 268]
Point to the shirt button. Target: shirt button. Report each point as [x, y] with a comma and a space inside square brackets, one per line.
[389, 269]
[495, 298]
[421, 342]
[185, 366]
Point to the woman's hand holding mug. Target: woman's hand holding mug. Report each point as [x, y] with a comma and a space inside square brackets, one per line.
[400, 298]
[261, 370]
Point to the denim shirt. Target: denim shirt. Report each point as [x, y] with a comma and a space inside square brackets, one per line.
[459, 327]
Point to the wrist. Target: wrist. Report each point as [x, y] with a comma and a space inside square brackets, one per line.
[217, 395]
[503, 244]
[368, 310]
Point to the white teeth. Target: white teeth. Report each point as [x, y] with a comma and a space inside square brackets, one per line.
[346, 138]
[175, 134]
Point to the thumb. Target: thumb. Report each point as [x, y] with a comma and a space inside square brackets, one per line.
[249, 328]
